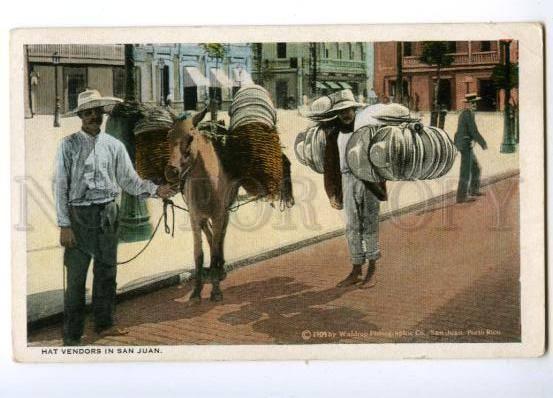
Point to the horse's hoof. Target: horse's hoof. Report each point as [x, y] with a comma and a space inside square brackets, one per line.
[218, 274]
[216, 296]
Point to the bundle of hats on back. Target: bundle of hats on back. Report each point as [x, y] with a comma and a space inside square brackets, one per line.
[387, 144]
[253, 152]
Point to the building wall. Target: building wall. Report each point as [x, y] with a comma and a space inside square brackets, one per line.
[471, 65]
[101, 79]
[98, 62]
[336, 62]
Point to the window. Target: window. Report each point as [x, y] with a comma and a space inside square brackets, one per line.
[451, 46]
[361, 50]
[485, 46]
[326, 52]
[350, 51]
[294, 62]
[337, 48]
[119, 82]
[407, 49]
[281, 50]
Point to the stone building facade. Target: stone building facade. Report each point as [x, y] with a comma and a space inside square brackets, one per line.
[471, 71]
[186, 76]
[291, 71]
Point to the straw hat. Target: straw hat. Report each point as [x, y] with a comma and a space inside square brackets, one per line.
[89, 99]
[472, 97]
[343, 99]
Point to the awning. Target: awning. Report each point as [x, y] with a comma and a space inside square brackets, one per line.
[333, 85]
[320, 85]
[218, 78]
[241, 77]
[345, 85]
[193, 77]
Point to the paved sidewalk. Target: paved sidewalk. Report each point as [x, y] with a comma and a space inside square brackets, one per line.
[449, 273]
[263, 228]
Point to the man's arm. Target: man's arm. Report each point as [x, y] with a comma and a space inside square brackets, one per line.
[476, 136]
[130, 181]
[61, 186]
[61, 196]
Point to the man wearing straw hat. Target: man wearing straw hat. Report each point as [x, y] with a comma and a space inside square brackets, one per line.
[467, 132]
[90, 168]
[359, 198]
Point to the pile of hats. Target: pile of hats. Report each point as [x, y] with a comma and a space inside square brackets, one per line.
[252, 152]
[310, 148]
[410, 152]
[327, 107]
[388, 144]
[252, 104]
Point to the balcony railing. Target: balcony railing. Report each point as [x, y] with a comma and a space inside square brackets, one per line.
[78, 52]
[476, 58]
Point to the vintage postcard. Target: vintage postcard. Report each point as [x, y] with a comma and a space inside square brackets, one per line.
[269, 193]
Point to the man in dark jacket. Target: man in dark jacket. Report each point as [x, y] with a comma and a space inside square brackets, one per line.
[467, 132]
[360, 199]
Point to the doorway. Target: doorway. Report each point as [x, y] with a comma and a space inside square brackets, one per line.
[75, 83]
[164, 84]
[444, 94]
[282, 93]
[190, 97]
[488, 92]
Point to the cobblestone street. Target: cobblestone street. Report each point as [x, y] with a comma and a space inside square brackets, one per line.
[449, 273]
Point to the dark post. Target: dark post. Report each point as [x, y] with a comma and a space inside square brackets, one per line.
[508, 145]
[134, 222]
[56, 61]
[130, 84]
[399, 79]
[313, 54]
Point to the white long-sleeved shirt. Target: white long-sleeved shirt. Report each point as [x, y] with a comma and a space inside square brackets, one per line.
[91, 170]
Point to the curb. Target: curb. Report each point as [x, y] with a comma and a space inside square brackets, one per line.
[154, 283]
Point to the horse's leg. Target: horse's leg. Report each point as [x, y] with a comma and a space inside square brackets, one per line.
[217, 270]
[198, 259]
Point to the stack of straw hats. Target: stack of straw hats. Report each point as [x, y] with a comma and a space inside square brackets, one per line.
[252, 104]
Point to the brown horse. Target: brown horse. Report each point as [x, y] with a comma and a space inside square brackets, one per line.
[208, 191]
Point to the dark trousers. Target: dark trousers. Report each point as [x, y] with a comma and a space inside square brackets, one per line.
[469, 178]
[95, 229]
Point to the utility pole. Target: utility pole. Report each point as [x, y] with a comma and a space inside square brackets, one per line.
[399, 78]
[313, 56]
[508, 145]
[130, 83]
[134, 222]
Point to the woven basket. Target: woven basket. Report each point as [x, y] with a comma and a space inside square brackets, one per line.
[152, 145]
[253, 154]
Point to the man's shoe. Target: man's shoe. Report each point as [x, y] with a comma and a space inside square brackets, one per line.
[112, 331]
[465, 200]
[477, 194]
[370, 278]
[71, 342]
[352, 278]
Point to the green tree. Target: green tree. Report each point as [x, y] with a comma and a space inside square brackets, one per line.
[216, 51]
[498, 77]
[436, 53]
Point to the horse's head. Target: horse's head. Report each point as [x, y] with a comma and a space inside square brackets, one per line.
[181, 137]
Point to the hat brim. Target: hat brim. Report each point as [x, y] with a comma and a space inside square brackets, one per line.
[357, 154]
[345, 105]
[107, 103]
